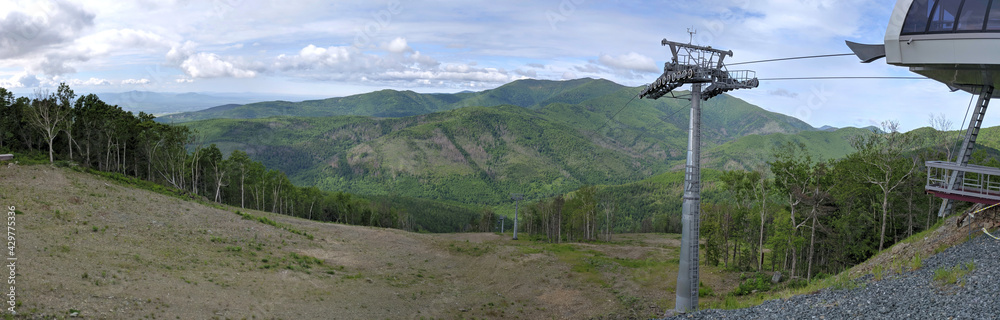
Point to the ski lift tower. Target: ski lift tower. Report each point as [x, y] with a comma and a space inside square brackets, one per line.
[517, 197]
[697, 65]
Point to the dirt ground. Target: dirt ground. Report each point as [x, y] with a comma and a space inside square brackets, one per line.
[94, 248]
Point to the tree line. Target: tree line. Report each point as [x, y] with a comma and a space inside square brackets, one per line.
[795, 214]
[88, 132]
[813, 217]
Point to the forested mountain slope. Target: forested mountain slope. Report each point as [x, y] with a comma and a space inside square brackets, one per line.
[738, 117]
[480, 154]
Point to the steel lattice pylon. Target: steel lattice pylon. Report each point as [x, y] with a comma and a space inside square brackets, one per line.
[698, 66]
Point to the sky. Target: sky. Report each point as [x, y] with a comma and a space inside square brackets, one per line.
[338, 48]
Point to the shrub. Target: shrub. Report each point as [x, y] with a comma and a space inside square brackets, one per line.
[759, 282]
[704, 291]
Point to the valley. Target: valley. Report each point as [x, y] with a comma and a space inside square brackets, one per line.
[102, 249]
[598, 225]
[97, 248]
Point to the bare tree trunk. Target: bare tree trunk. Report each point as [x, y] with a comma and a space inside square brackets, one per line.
[559, 227]
[927, 224]
[51, 138]
[69, 144]
[760, 262]
[812, 243]
[242, 192]
[909, 214]
[885, 214]
[311, 209]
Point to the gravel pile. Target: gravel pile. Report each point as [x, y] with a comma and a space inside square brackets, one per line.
[911, 295]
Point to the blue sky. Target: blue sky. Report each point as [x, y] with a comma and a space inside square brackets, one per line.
[337, 48]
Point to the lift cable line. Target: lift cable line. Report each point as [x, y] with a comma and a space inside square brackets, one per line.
[616, 114]
[844, 78]
[794, 58]
[669, 116]
[698, 66]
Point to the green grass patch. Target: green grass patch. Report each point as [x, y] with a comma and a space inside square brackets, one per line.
[953, 276]
[638, 264]
[529, 250]
[843, 281]
[275, 224]
[704, 290]
[472, 249]
[583, 263]
[916, 262]
[135, 182]
[923, 234]
[292, 261]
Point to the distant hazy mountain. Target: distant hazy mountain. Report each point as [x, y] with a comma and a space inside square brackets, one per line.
[532, 94]
[159, 103]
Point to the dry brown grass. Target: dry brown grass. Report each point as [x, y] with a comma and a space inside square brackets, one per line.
[111, 251]
[901, 256]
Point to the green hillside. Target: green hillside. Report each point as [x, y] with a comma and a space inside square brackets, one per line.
[477, 155]
[749, 151]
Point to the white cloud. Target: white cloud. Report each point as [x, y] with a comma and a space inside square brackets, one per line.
[404, 65]
[101, 44]
[31, 27]
[783, 93]
[88, 82]
[135, 81]
[821, 18]
[313, 57]
[631, 62]
[183, 80]
[398, 45]
[210, 65]
[21, 80]
[526, 73]
[592, 68]
[104, 42]
[179, 53]
[455, 73]
[73, 82]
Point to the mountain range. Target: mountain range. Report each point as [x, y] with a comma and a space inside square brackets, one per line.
[161, 103]
[528, 136]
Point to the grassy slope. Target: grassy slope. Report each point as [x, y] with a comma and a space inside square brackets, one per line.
[111, 251]
[905, 256]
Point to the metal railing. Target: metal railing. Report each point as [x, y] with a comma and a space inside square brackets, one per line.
[970, 180]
